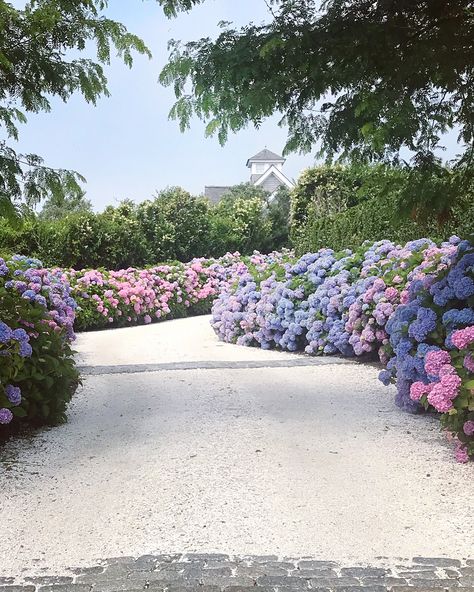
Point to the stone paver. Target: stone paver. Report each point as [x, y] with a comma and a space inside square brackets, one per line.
[222, 573]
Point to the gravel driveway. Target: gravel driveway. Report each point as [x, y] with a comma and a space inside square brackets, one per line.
[177, 443]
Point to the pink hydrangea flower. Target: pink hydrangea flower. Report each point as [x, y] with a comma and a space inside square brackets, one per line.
[437, 400]
[461, 454]
[418, 389]
[463, 337]
[391, 293]
[443, 392]
[468, 428]
[447, 369]
[435, 360]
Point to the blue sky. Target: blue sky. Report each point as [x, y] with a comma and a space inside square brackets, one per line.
[125, 146]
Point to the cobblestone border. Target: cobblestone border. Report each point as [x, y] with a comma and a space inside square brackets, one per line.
[298, 361]
[219, 572]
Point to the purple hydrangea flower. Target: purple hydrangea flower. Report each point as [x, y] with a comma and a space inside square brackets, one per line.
[5, 332]
[13, 394]
[468, 428]
[5, 416]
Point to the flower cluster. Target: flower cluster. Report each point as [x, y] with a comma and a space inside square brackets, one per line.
[405, 304]
[44, 288]
[37, 317]
[432, 336]
[140, 296]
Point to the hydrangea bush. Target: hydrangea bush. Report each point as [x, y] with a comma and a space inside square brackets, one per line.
[37, 372]
[140, 296]
[411, 306]
[40, 308]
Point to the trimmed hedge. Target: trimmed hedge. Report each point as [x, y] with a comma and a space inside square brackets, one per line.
[377, 219]
[342, 206]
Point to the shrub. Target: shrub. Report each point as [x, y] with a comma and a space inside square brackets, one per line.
[377, 219]
[399, 303]
[37, 373]
[140, 296]
[342, 206]
[174, 225]
[327, 190]
[432, 342]
[241, 223]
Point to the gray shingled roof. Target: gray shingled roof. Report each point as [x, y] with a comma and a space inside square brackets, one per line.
[265, 155]
[214, 193]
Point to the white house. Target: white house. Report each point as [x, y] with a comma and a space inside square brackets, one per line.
[266, 171]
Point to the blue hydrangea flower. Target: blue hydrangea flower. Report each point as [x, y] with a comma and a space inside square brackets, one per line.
[5, 332]
[458, 318]
[13, 394]
[20, 334]
[25, 349]
[424, 324]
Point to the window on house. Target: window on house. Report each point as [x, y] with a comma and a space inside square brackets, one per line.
[260, 168]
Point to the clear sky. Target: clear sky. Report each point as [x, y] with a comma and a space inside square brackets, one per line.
[125, 146]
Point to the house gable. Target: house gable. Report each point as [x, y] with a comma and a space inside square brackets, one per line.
[272, 179]
[265, 172]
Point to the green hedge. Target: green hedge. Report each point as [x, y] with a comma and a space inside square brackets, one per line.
[173, 226]
[342, 206]
[328, 190]
[377, 219]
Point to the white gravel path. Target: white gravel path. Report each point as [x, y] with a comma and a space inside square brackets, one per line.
[312, 460]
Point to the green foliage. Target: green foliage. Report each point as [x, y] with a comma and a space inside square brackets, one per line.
[240, 222]
[36, 64]
[186, 225]
[341, 206]
[246, 219]
[172, 7]
[378, 219]
[48, 379]
[367, 80]
[328, 190]
[279, 218]
[246, 191]
[57, 207]
[174, 225]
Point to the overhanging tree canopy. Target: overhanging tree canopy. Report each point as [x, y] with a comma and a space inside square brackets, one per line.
[366, 79]
[40, 48]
